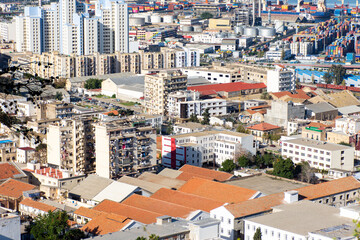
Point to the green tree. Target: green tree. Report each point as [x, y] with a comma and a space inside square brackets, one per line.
[284, 168]
[113, 96]
[93, 83]
[242, 129]
[338, 71]
[307, 173]
[227, 166]
[54, 226]
[244, 161]
[169, 129]
[206, 117]
[58, 96]
[154, 237]
[345, 144]
[328, 78]
[193, 118]
[257, 234]
[206, 15]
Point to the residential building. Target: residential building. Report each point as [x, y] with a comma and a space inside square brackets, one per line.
[7, 150]
[33, 208]
[318, 154]
[157, 88]
[348, 125]
[253, 103]
[25, 154]
[71, 145]
[280, 79]
[11, 193]
[281, 112]
[207, 146]
[295, 126]
[54, 110]
[302, 48]
[316, 133]
[182, 104]
[263, 130]
[321, 111]
[311, 220]
[278, 52]
[188, 127]
[122, 148]
[11, 170]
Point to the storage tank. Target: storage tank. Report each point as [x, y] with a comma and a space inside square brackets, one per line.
[251, 31]
[239, 30]
[186, 28]
[136, 21]
[279, 26]
[197, 28]
[155, 19]
[266, 32]
[168, 19]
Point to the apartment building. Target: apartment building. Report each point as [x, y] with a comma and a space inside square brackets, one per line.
[348, 125]
[207, 146]
[280, 79]
[157, 88]
[124, 147]
[183, 104]
[54, 110]
[295, 126]
[316, 133]
[7, 150]
[318, 154]
[71, 145]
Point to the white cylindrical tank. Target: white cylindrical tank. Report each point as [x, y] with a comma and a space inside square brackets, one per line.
[186, 28]
[251, 31]
[197, 28]
[266, 32]
[155, 19]
[279, 26]
[136, 21]
[168, 19]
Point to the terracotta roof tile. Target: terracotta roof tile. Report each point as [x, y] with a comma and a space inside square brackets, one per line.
[106, 223]
[263, 127]
[299, 94]
[186, 199]
[217, 191]
[207, 173]
[87, 212]
[115, 112]
[8, 170]
[137, 214]
[225, 87]
[14, 188]
[38, 205]
[329, 188]
[158, 206]
[187, 176]
[259, 107]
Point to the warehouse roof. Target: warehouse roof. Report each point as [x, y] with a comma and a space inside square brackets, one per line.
[320, 107]
[91, 186]
[204, 172]
[147, 186]
[348, 110]
[106, 223]
[162, 180]
[116, 191]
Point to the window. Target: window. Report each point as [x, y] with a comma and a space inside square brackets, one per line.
[229, 221]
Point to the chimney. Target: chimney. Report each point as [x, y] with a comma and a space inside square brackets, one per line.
[163, 220]
[291, 196]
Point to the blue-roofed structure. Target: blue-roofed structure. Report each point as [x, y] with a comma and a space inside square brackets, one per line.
[353, 81]
[5, 141]
[308, 76]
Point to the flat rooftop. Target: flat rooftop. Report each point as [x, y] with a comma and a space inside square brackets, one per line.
[266, 184]
[317, 144]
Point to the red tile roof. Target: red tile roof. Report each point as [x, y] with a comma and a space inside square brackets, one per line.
[135, 213]
[38, 205]
[216, 191]
[115, 112]
[106, 223]
[27, 149]
[225, 87]
[87, 212]
[187, 176]
[207, 173]
[14, 188]
[158, 206]
[329, 188]
[186, 199]
[259, 107]
[51, 172]
[8, 170]
[299, 94]
[263, 111]
[263, 127]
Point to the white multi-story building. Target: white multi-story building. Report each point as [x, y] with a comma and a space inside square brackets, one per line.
[278, 53]
[348, 125]
[7, 30]
[51, 28]
[301, 48]
[208, 146]
[318, 154]
[280, 79]
[183, 104]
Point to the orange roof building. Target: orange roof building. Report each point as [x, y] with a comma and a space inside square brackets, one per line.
[194, 171]
[298, 94]
[264, 127]
[11, 192]
[186, 199]
[134, 213]
[107, 223]
[158, 206]
[33, 208]
[216, 191]
[83, 215]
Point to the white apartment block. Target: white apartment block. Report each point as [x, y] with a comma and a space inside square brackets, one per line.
[51, 28]
[192, 57]
[301, 48]
[280, 80]
[7, 32]
[121, 148]
[295, 126]
[157, 88]
[208, 146]
[90, 35]
[348, 125]
[71, 145]
[183, 104]
[320, 155]
[213, 75]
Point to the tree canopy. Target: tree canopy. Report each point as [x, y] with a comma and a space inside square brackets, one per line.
[227, 166]
[244, 161]
[206, 117]
[257, 234]
[284, 168]
[206, 15]
[54, 226]
[328, 78]
[339, 72]
[193, 118]
[93, 83]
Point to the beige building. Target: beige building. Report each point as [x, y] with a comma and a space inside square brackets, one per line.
[7, 150]
[54, 110]
[157, 88]
[70, 145]
[123, 147]
[220, 24]
[313, 133]
[338, 137]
